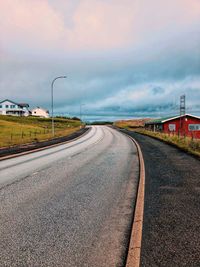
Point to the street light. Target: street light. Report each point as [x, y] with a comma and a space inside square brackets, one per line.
[52, 118]
[81, 110]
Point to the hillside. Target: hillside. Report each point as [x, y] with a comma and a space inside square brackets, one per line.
[134, 123]
[21, 130]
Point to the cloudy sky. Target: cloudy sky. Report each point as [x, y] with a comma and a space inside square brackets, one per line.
[121, 56]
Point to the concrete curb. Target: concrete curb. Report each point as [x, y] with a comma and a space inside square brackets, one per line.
[42, 148]
[134, 251]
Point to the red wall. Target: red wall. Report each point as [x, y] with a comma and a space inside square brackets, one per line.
[185, 130]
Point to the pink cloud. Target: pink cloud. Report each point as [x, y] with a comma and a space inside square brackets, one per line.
[102, 24]
[31, 24]
[36, 25]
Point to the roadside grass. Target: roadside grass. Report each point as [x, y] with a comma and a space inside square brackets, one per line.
[22, 130]
[187, 144]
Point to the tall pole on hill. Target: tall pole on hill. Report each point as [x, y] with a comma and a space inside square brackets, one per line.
[182, 112]
[52, 114]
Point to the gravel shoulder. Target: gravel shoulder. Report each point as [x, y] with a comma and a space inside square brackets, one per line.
[171, 235]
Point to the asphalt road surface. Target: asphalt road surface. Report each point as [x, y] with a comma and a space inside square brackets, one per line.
[171, 228]
[71, 205]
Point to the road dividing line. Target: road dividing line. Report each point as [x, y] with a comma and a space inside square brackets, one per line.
[134, 251]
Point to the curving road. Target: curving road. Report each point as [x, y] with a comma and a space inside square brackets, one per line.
[70, 205]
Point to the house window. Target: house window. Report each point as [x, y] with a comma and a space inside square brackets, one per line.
[194, 127]
[172, 127]
[0, 106]
[12, 106]
[7, 106]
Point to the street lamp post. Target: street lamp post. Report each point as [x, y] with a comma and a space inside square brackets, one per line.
[52, 114]
[81, 110]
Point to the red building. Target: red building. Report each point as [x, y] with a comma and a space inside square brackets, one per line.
[186, 125]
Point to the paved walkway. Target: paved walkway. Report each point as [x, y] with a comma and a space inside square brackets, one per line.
[171, 233]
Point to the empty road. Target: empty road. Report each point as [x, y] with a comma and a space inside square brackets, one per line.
[70, 205]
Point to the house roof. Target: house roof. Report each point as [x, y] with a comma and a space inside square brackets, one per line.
[162, 120]
[19, 104]
[159, 120]
[9, 101]
[24, 105]
[46, 110]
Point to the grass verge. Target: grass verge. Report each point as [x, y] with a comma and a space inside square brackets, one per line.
[22, 130]
[187, 144]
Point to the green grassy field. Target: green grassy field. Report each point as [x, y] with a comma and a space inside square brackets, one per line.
[21, 130]
[185, 143]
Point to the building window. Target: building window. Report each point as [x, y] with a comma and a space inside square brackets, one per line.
[7, 106]
[0, 106]
[194, 127]
[12, 106]
[172, 127]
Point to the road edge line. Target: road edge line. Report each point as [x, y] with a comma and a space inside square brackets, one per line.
[134, 250]
[43, 148]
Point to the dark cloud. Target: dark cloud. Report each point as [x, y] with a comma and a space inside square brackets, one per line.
[142, 77]
[158, 90]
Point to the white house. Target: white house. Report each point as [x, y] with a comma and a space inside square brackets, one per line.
[8, 107]
[40, 112]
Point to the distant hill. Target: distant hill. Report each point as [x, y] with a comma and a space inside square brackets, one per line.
[134, 123]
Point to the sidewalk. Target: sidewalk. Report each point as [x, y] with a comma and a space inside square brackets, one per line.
[171, 230]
